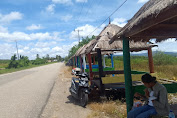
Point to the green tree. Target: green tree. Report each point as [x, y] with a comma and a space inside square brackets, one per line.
[22, 62]
[37, 56]
[73, 50]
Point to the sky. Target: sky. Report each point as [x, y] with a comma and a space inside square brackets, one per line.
[50, 26]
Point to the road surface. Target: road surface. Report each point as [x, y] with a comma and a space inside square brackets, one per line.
[24, 94]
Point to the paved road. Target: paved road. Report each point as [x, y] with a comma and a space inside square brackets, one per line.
[24, 94]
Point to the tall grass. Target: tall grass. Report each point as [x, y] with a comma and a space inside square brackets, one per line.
[165, 66]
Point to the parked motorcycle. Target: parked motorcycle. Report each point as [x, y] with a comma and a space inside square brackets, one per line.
[80, 88]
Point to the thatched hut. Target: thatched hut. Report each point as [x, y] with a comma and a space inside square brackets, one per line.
[157, 19]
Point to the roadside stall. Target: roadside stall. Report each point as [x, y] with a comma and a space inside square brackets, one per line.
[155, 20]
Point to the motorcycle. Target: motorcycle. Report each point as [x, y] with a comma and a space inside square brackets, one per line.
[80, 88]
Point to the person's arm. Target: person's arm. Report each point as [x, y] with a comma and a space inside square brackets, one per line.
[139, 95]
[146, 93]
[162, 99]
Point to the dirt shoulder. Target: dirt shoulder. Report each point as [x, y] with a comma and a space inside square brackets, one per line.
[61, 104]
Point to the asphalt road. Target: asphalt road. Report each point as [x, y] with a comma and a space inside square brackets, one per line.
[24, 94]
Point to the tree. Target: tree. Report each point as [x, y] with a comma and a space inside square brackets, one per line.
[73, 50]
[22, 62]
[37, 56]
[47, 57]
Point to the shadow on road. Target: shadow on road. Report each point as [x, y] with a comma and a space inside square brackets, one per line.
[72, 100]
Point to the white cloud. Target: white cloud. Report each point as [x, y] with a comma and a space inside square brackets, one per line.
[86, 30]
[3, 29]
[45, 44]
[50, 8]
[7, 50]
[66, 18]
[34, 36]
[81, 0]
[34, 27]
[142, 1]
[66, 2]
[56, 49]
[119, 21]
[10, 17]
[26, 48]
[166, 46]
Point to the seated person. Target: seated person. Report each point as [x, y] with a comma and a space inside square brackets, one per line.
[156, 99]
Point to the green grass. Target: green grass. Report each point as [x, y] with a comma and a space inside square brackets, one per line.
[3, 71]
[165, 66]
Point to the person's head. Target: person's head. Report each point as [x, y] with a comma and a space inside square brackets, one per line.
[148, 80]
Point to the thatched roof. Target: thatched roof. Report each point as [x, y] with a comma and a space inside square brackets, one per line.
[108, 33]
[156, 19]
[102, 42]
[104, 37]
[90, 44]
[79, 50]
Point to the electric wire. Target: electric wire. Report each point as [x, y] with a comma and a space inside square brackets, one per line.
[108, 17]
[80, 14]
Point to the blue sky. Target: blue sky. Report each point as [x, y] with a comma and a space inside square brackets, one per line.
[47, 26]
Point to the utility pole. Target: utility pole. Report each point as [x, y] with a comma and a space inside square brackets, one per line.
[17, 49]
[78, 34]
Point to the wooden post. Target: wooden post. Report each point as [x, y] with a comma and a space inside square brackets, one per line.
[151, 64]
[127, 74]
[100, 67]
[84, 62]
[75, 61]
[80, 59]
[112, 63]
[93, 59]
[90, 66]
[104, 65]
[78, 62]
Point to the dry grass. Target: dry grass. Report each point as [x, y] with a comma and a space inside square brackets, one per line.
[167, 71]
[66, 71]
[172, 98]
[108, 109]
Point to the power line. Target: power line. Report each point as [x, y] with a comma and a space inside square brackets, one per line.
[80, 13]
[89, 7]
[108, 17]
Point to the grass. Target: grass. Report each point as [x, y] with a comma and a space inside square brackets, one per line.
[108, 109]
[162, 70]
[3, 71]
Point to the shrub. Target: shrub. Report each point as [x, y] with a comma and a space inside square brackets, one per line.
[161, 58]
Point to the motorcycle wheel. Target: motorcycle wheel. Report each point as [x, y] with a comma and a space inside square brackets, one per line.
[83, 98]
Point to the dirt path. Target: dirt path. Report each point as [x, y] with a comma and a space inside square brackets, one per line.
[60, 103]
